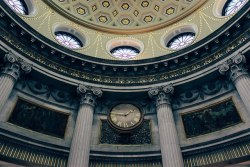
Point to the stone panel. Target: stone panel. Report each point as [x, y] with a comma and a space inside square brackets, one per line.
[39, 119]
[210, 119]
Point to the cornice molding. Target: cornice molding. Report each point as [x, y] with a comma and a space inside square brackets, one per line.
[125, 81]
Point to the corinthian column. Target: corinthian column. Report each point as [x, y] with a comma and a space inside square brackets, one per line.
[235, 69]
[80, 146]
[10, 73]
[170, 147]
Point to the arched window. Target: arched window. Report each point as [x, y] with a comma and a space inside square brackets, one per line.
[18, 6]
[232, 6]
[124, 52]
[68, 40]
[181, 40]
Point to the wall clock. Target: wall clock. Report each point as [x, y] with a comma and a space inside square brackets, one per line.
[125, 117]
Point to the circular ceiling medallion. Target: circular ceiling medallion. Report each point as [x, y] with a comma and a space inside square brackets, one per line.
[126, 17]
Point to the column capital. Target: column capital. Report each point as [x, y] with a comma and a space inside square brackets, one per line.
[234, 67]
[15, 66]
[88, 94]
[161, 95]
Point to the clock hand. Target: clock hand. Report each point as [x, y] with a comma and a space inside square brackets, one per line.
[122, 114]
[127, 112]
[130, 111]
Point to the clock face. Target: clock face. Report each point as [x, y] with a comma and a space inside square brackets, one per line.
[125, 117]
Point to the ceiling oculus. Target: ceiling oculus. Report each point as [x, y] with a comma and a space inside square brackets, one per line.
[181, 40]
[232, 6]
[125, 117]
[19, 6]
[68, 40]
[124, 52]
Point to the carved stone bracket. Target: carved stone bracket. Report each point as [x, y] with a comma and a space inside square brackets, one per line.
[88, 94]
[15, 66]
[234, 67]
[161, 95]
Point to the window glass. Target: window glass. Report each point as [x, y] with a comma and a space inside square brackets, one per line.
[232, 6]
[124, 52]
[18, 6]
[68, 40]
[180, 41]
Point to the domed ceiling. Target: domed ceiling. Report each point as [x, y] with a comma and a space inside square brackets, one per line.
[127, 16]
[144, 24]
[212, 35]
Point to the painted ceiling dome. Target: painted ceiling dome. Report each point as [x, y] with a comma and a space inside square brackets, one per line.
[102, 25]
[72, 38]
[127, 16]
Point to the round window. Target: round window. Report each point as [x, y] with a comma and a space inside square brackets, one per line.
[232, 6]
[68, 40]
[181, 40]
[125, 52]
[19, 6]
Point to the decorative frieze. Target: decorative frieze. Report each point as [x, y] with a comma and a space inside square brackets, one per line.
[48, 93]
[126, 81]
[202, 93]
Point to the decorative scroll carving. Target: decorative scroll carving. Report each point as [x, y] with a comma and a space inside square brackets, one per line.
[38, 89]
[211, 119]
[234, 67]
[161, 94]
[141, 135]
[202, 93]
[88, 94]
[15, 66]
[39, 119]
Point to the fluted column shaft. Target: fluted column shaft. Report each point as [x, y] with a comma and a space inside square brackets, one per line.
[242, 85]
[235, 69]
[12, 70]
[170, 147]
[80, 145]
[7, 83]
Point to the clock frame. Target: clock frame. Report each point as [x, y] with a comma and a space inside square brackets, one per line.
[125, 117]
